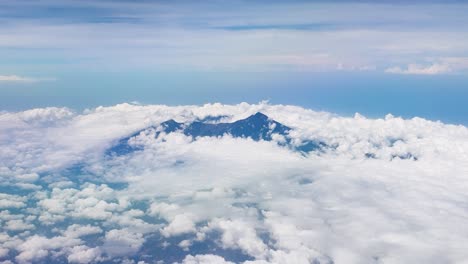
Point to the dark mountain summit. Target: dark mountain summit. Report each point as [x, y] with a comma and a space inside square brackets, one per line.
[171, 126]
[257, 127]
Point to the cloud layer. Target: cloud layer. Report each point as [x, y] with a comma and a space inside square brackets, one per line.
[420, 69]
[80, 36]
[390, 190]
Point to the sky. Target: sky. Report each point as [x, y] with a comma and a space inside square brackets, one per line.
[408, 58]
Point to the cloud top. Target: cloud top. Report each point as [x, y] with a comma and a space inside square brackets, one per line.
[399, 183]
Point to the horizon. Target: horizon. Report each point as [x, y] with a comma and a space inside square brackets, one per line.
[324, 56]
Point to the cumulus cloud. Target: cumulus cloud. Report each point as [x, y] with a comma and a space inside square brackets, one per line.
[205, 259]
[11, 201]
[432, 69]
[79, 231]
[17, 225]
[395, 184]
[181, 224]
[38, 247]
[237, 234]
[83, 254]
[121, 242]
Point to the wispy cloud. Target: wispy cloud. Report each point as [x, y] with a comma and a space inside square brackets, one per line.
[183, 35]
[432, 69]
[310, 26]
[23, 79]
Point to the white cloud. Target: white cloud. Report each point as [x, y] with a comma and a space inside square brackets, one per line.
[36, 247]
[262, 200]
[121, 242]
[29, 177]
[208, 44]
[14, 78]
[75, 231]
[17, 225]
[182, 224]
[164, 210]
[238, 234]
[90, 202]
[11, 201]
[432, 69]
[205, 259]
[17, 78]
[3, 252]
[83, 254]
[185, 244]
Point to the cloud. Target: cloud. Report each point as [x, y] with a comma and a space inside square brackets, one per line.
[236, 234]
[76, 231]
[121, 242]
[181, 224]
[84, 254]
[11, 201]
[15, 78]
[17, 225]
[419, 69]
[22, 79]
[38, 247]
[396, 182]
[121, 35]
[205, 259]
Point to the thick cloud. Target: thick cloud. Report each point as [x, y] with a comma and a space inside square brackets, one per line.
[383, 190]
[205, 259]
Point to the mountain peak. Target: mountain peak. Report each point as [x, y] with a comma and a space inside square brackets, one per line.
[257, 127]
[170, 122]
[171, 125]
[259, 115]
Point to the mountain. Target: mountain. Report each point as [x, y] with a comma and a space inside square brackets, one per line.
[122, 147]
[257, 127]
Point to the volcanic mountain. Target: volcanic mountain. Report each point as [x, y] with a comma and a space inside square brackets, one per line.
[257, 127]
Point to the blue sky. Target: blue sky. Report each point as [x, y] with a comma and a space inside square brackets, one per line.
[410, 59]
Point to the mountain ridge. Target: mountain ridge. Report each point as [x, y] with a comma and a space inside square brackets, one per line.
[257, 127]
